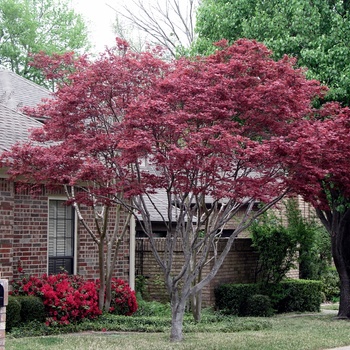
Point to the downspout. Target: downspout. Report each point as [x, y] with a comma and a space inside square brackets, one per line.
[132, 253]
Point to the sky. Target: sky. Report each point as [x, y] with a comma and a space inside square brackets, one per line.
[99, 18]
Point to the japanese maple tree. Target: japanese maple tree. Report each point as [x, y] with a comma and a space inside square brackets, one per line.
[205, 128]
[205, 131]
[316, 156]
[77, 147]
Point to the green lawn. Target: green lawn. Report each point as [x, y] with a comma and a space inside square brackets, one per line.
[286, 332]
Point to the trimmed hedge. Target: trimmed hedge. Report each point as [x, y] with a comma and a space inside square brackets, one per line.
[23, 309]
[259, 305]
[232, 298]
[296, 295]
[286, 296]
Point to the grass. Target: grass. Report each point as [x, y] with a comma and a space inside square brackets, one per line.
[287, 332]
[330, 306]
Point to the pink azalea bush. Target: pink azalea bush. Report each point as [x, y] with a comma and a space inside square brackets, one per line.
[71, 298]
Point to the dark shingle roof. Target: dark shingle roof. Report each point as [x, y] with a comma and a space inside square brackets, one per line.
[17, 92]
[14, 127]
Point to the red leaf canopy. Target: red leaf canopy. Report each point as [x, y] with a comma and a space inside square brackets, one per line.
[205, 123]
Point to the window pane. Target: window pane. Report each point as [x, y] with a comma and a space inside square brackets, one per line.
[61, 237]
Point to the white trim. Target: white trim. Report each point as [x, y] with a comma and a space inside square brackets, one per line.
[132, 253]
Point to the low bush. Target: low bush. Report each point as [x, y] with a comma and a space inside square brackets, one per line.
[259, 305]
[66, 298]
[32, 308]
[296, 295]
[330, 285]
[70, 298]
[286, 296]
[13, 313]
[123, 298]
[152, 308]
[232, 298]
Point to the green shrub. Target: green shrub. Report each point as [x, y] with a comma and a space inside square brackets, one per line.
[295, 295]
[232, 298]
[330, 285]
[152, 308]
[13, 313]
[32, 309]
[276, 246]
[286, 296]
[259, 305]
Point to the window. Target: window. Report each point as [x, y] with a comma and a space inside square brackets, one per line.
[61, 237]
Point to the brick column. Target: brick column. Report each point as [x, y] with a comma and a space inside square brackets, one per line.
[3, 303]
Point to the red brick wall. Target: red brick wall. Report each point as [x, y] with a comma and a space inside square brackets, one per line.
[88, 253]
[30, 233]
[23, 236]
[6, 228]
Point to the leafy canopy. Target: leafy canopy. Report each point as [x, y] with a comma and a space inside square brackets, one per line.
[315, 32]
[30, 26]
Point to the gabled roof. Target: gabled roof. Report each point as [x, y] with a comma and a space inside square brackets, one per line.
[14, 127]
[17, 92]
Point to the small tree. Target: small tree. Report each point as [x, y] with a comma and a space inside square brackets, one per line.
[314, 245]
[282, 243]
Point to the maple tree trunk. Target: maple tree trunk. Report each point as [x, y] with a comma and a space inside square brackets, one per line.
[101, 262]
[178, 306]
[108, 300]
[341, 254]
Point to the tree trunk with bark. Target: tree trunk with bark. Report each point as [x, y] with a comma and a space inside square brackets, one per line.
[178, 307]
[337, 223]
[341, 256]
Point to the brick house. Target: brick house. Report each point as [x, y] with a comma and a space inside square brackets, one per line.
[42, 235]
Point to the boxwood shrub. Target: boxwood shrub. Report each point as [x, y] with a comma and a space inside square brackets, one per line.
[259, 305]
[296, 295]
[32, 308]
[232, 298]
[286, 296]
[13, 313]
